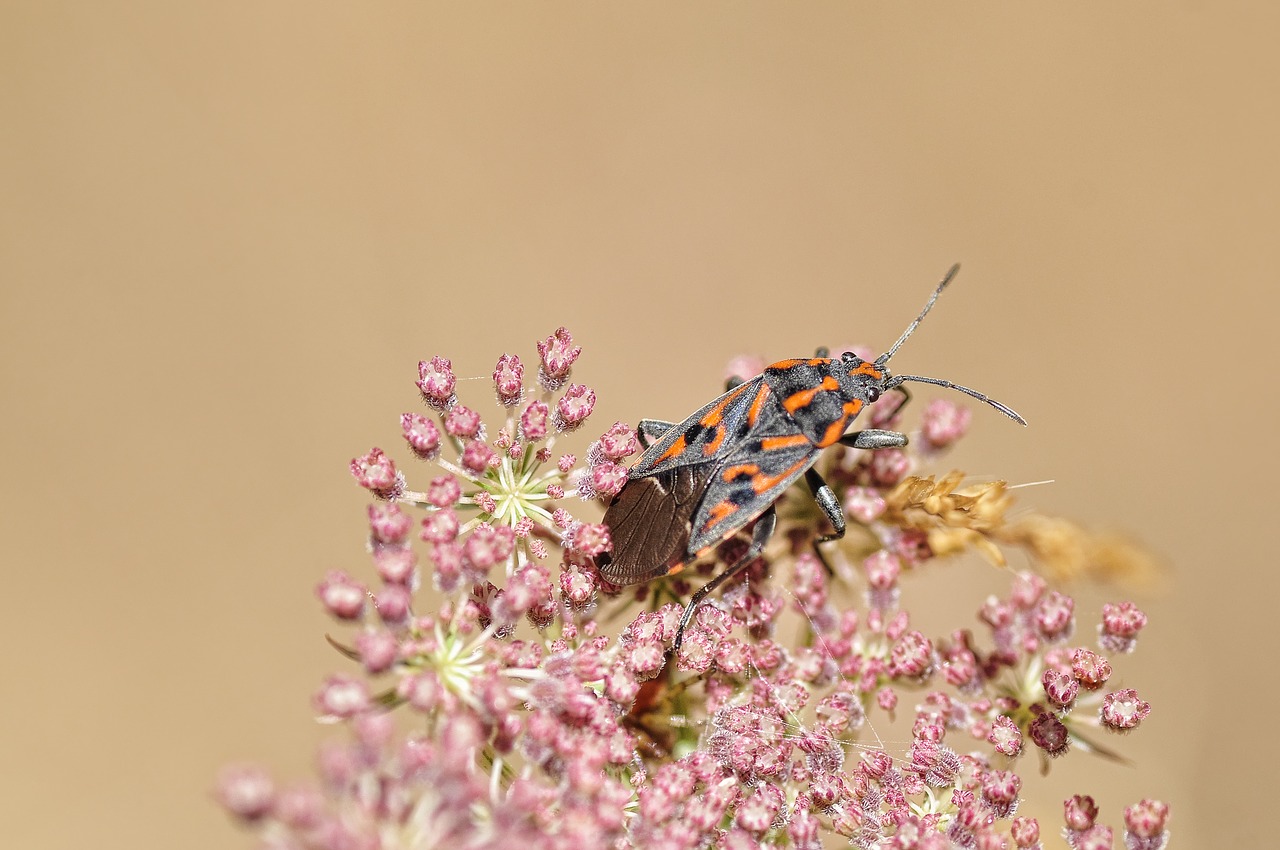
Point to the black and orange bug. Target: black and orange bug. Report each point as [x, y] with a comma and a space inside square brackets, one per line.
[728, 463]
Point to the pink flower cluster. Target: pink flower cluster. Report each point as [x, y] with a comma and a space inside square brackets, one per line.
[549, 709]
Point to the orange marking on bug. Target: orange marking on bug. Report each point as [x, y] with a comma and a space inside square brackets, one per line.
[868, 369]
[761, 483]
[739, 469]
[768, 444]
[715, 415]
[796, 401]
[834, 432]
[677, 448]
[786, 364]
[710, 448]
[852, 406]
[757, 404]
[719, 513]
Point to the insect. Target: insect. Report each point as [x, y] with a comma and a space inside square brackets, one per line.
[725, 466]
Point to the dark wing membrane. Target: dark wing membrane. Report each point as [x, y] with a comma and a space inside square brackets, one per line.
[745, 482]
[649, 523]
[709, 433]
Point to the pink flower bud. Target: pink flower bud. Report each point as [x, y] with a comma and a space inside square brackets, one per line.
[1146, 820]
[342, 696]
[557, 353]
[388, 524]
[477, 457]
[421, 434]
[377, 473]
[1054, 615]
[444, 491]
[1123, 710]
[591, 539]
[1061, 688]
[1120, 626]
[1079, 812]
[436, 381]
[508, 377]
[440, 527]
[574, 407]
[533, 421]
[343, 596]
[247, 792]
[607, 479]
[944, 422]
[1090, 668]
[463, 422]
[1005, 736]
[619, 442]
[1048, 733]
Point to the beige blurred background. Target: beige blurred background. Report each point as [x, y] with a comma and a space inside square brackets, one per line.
[229, 232]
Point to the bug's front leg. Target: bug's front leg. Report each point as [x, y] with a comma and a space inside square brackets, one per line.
[651, 428]
[759, 537]
[874, 438]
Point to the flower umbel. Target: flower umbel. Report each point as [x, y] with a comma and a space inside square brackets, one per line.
[548, 708]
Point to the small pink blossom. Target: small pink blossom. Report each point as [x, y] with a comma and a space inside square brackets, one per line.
[557, 354]
[343, 596]
[1123, 710]
[377, 473]
[421, 434]
[436, 381]
[508, 378]
[246, 792]
[463, 422]
[533, 421]
[574, 407]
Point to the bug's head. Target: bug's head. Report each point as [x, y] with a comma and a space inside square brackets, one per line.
[880, 381]
[862, 379]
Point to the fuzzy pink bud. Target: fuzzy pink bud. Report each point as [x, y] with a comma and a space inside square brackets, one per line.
[436, 381]
[377, 473]
[463, 422]
[342, 696]
[608, 478]
[421, 434]
[343, 596]
[557, 353]
[388, 524]
[591, 539]
[1123, 710]
[574, 407]
[246, 792]
[477, 457]
[533, 421]
[619, 442]
[508, 378]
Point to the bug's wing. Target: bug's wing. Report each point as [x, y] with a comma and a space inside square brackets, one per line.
[745, 482]
[649, 523]
[710, 433]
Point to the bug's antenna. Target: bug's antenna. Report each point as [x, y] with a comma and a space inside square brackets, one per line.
[898, 379]
[884, 358]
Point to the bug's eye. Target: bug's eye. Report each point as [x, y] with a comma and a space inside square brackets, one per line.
[848, 355]
[873, 393]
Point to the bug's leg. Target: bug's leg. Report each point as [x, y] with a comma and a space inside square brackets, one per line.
[759, 537]
[651, 428]
[826, 499]
[822, 351]
[874, 438]
[733, 382]
[906, 397]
